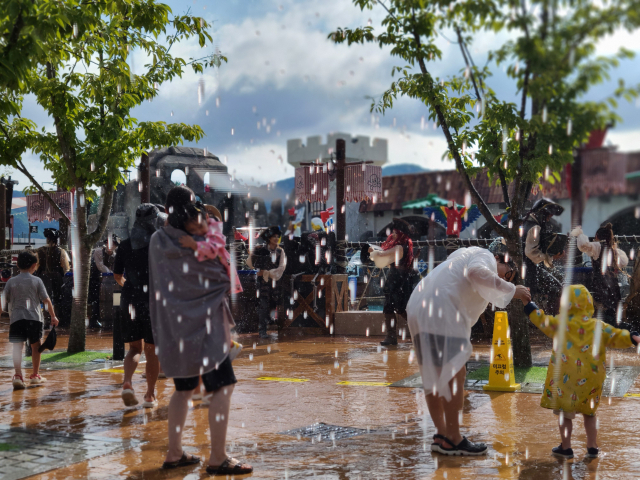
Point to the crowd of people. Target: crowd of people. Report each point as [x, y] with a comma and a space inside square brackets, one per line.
[176, 277]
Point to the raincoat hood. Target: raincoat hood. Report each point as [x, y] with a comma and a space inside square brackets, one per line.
[149, 218]
[580, 302]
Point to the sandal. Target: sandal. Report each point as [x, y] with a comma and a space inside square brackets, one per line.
[184, 461]
[467, 448]
[129, 397]
[434, 444]
[439, 448]
[230, 466]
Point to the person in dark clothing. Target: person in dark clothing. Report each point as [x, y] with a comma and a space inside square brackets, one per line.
[53, 263]
[605, 286]
[537, 278]
[270, 261]
[102, 261]
[397, 252]
[131, 271]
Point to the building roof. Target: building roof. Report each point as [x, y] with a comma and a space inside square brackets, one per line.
[604, 173]
[431, 200]
[180, 157]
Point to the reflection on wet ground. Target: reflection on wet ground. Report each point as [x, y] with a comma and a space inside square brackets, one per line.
[397, 432]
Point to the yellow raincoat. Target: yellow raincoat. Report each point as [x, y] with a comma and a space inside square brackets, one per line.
[576, 375]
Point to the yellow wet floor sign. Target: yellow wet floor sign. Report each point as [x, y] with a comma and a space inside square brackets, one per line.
[501, 376]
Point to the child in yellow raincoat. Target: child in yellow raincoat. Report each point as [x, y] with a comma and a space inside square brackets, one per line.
[577, 368]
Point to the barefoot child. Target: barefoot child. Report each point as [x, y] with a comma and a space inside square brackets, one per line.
[576, 371]
[212, 248]
[21, 297]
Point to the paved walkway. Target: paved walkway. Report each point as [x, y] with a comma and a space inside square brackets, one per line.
[389, 434]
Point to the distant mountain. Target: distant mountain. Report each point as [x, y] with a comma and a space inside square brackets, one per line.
[402, 169]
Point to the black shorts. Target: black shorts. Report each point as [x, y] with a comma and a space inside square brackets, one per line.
[138, 327]
[213, 380]
[23, 330]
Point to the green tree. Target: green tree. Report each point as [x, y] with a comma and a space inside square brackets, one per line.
[552, 64]
[89, 90]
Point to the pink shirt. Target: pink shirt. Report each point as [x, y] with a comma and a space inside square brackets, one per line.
[215, 247]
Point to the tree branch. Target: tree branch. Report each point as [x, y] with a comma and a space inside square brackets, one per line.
[467, 62]
[67, 152]
[22, 169]
[482, 206]
[505, 188]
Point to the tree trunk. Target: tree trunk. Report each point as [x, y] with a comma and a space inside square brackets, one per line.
[81, 270]
[518, 321]
[82, 246]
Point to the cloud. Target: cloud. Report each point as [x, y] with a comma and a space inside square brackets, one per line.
[298, 83]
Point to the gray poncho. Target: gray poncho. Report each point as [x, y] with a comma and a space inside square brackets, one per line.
[189, 308]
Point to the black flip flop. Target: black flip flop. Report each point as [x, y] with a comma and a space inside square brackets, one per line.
[230, 466]
[183, 462]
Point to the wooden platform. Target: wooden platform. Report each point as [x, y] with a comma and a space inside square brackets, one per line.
[357, 323]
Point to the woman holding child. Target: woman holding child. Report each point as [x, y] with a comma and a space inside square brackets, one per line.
[191, 325]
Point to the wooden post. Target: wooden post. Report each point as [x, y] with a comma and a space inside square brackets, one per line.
[3, 215]
[341, 214]
[145, 179]
[577, 195]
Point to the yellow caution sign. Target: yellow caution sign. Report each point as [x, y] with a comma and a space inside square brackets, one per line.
[278, 379]
[501, 376]
[365, 384]
[635, 395]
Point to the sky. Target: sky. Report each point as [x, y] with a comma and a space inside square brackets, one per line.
[286, 80]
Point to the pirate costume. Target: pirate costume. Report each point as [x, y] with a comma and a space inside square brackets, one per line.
[271, 263]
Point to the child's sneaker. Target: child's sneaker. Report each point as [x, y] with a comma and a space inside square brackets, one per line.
[35, 379]
[18, 382]
[592, 452]
[236, 348]
[560, 452]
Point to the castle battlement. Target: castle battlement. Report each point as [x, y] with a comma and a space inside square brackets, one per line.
[359, 147]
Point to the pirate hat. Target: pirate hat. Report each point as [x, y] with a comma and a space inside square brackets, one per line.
[271, 232]
[548, 206]
[51, 233]
[401, 226]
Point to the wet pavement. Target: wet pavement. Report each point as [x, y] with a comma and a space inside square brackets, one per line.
[342, 383]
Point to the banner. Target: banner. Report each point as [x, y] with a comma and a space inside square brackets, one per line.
[362, 182]
[312, 183]
[40, 210]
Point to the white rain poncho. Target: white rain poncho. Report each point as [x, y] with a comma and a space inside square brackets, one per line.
[443, 308]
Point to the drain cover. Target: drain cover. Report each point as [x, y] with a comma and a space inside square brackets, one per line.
[322, 431]
[25, 452]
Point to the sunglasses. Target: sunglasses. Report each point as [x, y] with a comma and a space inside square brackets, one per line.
[510, 275]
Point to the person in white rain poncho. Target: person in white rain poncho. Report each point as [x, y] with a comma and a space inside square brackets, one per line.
[440, 313]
